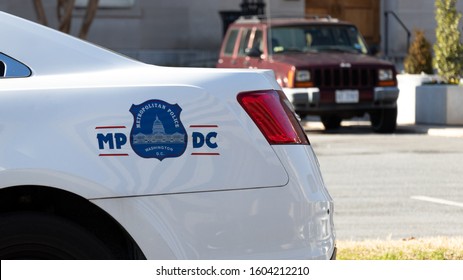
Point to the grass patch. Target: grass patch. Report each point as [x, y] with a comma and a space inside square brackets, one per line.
[436, 248]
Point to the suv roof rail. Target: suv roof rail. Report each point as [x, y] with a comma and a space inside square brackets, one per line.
[321, 17]
[260, 18]
[251, 18]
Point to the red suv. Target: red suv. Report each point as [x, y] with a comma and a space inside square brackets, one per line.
[322, 64]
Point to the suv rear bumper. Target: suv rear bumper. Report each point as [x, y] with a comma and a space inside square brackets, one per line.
[306, 101]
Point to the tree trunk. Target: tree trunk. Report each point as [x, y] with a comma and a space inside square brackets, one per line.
[90, 13]
[41, 16]
[64, 10]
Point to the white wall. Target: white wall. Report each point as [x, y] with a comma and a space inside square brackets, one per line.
[416, 14]
[157, 31]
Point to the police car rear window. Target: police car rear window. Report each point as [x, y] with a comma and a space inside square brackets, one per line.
[2, 69]
[11, 68]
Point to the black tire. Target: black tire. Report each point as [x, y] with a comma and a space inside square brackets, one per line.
[301, 116]
[384, 121]
[331, 122]
[27, 235]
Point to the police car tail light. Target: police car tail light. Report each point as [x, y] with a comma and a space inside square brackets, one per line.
[271, 112]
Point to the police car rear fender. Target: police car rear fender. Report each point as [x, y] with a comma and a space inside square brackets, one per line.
[126, 141]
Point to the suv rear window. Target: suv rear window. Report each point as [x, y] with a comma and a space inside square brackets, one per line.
[258, 43]
[244, 42]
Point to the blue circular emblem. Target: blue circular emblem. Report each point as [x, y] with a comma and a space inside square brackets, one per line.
[157, 131]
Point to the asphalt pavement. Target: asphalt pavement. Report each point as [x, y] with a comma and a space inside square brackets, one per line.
[362, 125]
[407, 184]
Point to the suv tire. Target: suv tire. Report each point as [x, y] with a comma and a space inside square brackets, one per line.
[384, 120]
[331, 122]
[29, 235]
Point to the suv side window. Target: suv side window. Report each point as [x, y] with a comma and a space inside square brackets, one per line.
[230, 45]
[244, 41]
[258, 43]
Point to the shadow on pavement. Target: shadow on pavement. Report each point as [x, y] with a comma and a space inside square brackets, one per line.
[358, 127]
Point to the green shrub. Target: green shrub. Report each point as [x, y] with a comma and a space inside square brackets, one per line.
[448, 48]
[419, 57]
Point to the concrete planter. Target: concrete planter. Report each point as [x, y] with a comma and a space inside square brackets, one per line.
[406, 103]
[439, 104]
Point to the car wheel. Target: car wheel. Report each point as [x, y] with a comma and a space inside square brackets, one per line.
[301, 116]
[40, 236]
[384, 121]
[331, 122]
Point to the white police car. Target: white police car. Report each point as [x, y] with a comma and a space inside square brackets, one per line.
[104, 157]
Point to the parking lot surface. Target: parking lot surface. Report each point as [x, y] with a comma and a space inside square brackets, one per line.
[401, 185]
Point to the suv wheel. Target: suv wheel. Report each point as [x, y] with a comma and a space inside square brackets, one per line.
[38, 236]
[384, 120]
[331, 122]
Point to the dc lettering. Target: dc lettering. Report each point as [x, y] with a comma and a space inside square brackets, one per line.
[111, 140]
[199, 140]
[118, 140]
[203, 143]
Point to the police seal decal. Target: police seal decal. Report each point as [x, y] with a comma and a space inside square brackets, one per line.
[157, 131]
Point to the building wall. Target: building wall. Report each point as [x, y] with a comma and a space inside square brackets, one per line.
[189, 33]
[165, 32]
[415, 15]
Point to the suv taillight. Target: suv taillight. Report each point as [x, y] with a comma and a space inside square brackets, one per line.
[270, 111]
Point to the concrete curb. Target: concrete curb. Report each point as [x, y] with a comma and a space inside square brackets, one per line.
[434, 130]
[362, 126]
[447, 132]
